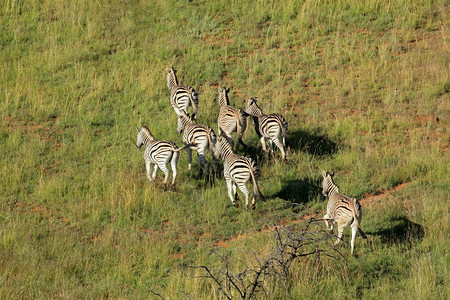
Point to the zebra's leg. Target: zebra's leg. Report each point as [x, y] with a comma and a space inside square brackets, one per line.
[155, 168]
[340, 231]
[263, 145]
[278, 144]
[163, 168]
[236, 196]
[173, 164]
[201, 159]
[230, 190]
[244, 190]
[148, 167]
[328, 223]
[189, 157]
[271, 146]
[354, 230]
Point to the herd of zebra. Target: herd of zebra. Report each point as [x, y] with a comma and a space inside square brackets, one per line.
[237, 169]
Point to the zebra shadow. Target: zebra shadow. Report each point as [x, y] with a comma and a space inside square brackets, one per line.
[315, 142]
[299, 191]
[400, 230]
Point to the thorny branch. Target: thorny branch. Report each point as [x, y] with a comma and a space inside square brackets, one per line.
[272, 270]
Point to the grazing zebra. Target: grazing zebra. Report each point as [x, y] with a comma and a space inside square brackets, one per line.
[231, 119]
[268, 126]
[158, 153]
[181, 97]
[237, 170]
[341, 209]
[199, 136]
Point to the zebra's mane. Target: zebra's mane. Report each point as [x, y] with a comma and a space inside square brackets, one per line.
[331, 185]
[227, 101]
[147, 133]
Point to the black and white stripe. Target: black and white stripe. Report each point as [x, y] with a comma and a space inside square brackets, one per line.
[237, 170]
[158, 153]
[341, 209]
[200, 136]
[181, 97]
[230, 119]
[268, 126]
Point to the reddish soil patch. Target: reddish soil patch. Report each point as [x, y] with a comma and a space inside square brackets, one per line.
[374, 199]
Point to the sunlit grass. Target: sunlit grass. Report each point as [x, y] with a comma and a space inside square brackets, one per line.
[364, 87]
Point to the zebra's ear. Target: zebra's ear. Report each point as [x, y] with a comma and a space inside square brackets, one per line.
[227, 90]
[324, 174]
[137, 129]
[220, 89]
[332, 174]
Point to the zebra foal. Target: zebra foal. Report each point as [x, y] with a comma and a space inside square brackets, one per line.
[341, 209]
[237, 170]
[230, 119]
[268, 126]
[181, 96]
[200, 137]
[158, 153]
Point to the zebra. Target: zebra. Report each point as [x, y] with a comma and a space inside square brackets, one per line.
[158, 153]
[237, 170]
[199, 136]
[181, 97]
[268, 126]
[231, 119]
[341, 209]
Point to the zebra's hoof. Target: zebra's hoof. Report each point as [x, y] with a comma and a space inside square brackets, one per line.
[165, 187]
[253, 206]
[235, 204]
[173, 188]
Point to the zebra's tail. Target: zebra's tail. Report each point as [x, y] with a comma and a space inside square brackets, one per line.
[356, 217]
[212, 138]
[194, 102]
[284, 128]
[184, 147]
[241, 123]
[364, 236]
[255, 173]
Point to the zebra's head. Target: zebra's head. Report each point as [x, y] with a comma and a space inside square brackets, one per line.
[223, 96]
[171, 78]
[223, 146]
[144, 135]
[327, 182]
[183, 119]
[252, 107]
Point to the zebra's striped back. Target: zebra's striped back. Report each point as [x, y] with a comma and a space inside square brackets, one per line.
[237, 170]
[181, 97]
[171, 78]
[341, 209]
[202, 136]
[158, 153]
[269, 126]
[230, 119]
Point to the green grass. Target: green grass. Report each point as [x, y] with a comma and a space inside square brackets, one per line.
[364, 87]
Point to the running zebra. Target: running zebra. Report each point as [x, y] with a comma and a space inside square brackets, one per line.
[237, 170]
[231, 119]
[181, 97]
[199, 136]
[268, 126]
[341, 209]
[158, 153]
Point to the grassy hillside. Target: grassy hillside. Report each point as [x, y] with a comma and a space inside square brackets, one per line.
[364, 87]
